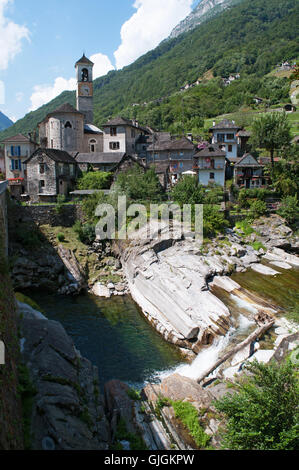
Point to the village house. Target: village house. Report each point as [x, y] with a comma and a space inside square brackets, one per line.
[210, 165]
[243, 137]
[248, 172]
[50, 172]
[178, 153]
[16, 150]
[122, 135]
[225, 135]
[98, 161]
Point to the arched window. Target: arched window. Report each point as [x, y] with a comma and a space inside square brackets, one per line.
[92, 145]
[84, 75]
[68, 125]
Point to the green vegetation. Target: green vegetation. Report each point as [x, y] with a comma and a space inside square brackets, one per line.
[189, 416]
[263, 415]
[188, 191]
[134, 394]
[61, 199]
[122, 434]
[289, 209]
[27, 300]
[252, 36]
[271, 132]
[140, 186]
[95, 180]
[61, 237]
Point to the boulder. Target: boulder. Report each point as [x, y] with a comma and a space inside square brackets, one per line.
[100, 290]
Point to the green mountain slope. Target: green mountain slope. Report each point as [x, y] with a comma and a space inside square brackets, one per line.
[249, 38]
[5, 122]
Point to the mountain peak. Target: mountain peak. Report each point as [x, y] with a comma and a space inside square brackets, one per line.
[5, 122]
[203, 11]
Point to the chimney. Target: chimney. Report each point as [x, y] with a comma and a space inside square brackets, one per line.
[214, 123]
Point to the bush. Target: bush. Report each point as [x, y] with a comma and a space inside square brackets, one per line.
[257, 208]
[213, 220]
[61, 237]
[139, 185]
[59, 204]
[86, 233]
[289, 209]
[188, 191]
[95, 180]
[188, 415]
[263, 415]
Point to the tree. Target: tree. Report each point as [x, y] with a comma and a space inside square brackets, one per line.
[289, 209]
[188, 191]
[95, 180]
[271, 132]
[263, 414]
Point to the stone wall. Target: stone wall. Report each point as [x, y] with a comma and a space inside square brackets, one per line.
[47, 215]
[3, 211]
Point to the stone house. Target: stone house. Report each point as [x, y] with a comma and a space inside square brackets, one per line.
[16, 151]
[122, 135]
[225, 135]
[248, 173]
[98, 161]
[177, 153]
[50, 173]
[210, 165]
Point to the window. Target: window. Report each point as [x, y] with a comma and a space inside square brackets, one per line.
[220, 137]
[68, 125]
[212, 164]
[60, 168]
[92, 145]
[84, 75]
[15, 151]
[114, 145]
[42, 184]
[212, 176]
[72, 169]
[230, 136]
[113, 131]
[42, 168]
[230, 148]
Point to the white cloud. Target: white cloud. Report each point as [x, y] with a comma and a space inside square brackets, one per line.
[102, 65]
[42, 94]
[152, 22]
[11, 37]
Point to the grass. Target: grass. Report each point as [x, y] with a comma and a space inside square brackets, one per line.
[188, 415]
[27, 300]
[122, 434]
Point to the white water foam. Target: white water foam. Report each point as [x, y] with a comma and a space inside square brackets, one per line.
[244, 304]
[203, 360]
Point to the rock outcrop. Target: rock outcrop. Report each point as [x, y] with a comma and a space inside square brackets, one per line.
[68, 409]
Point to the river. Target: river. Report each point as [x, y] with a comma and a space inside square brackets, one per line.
[114, 335]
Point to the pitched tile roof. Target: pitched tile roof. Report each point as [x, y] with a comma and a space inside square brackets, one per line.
[58, 156]
[171, 144]
[225, 124]
[84, 60]
[210, 151]
[99, 158]
[17, 138]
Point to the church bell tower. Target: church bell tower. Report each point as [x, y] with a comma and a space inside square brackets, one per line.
[84, 68]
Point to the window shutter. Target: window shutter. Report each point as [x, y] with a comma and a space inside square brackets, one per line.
[12, 164]
[19, 151]
[12, 151]
[20, 165]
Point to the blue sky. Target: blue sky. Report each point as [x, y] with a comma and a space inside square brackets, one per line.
[41, 40]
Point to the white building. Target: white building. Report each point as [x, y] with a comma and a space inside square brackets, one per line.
[121, 135]
[225, 135]
[210, 164]
[16, 150]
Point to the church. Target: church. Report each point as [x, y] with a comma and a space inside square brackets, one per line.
[70, 129]
[70, 143]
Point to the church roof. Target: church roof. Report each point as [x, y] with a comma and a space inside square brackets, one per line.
[84, 60]
[65, 108]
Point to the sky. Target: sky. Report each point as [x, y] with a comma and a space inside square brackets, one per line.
[40, 41]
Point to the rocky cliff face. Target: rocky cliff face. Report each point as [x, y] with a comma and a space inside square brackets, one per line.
[205, 9]
[68, 409]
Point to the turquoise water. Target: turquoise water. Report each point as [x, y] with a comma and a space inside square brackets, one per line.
[113, 335]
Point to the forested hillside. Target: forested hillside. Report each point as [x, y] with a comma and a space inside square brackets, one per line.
[249, 38]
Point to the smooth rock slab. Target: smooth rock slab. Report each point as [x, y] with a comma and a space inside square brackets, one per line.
[261, 269]
[281, 264]
[101, 291]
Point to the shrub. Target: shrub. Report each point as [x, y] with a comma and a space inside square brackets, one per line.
[188, 415]
[188, 191]
[86, 233]
[263, 415]
[61, 237]
[95, 180]
[257, 208]
[289, 209]
[59, 204]
[213, 220]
